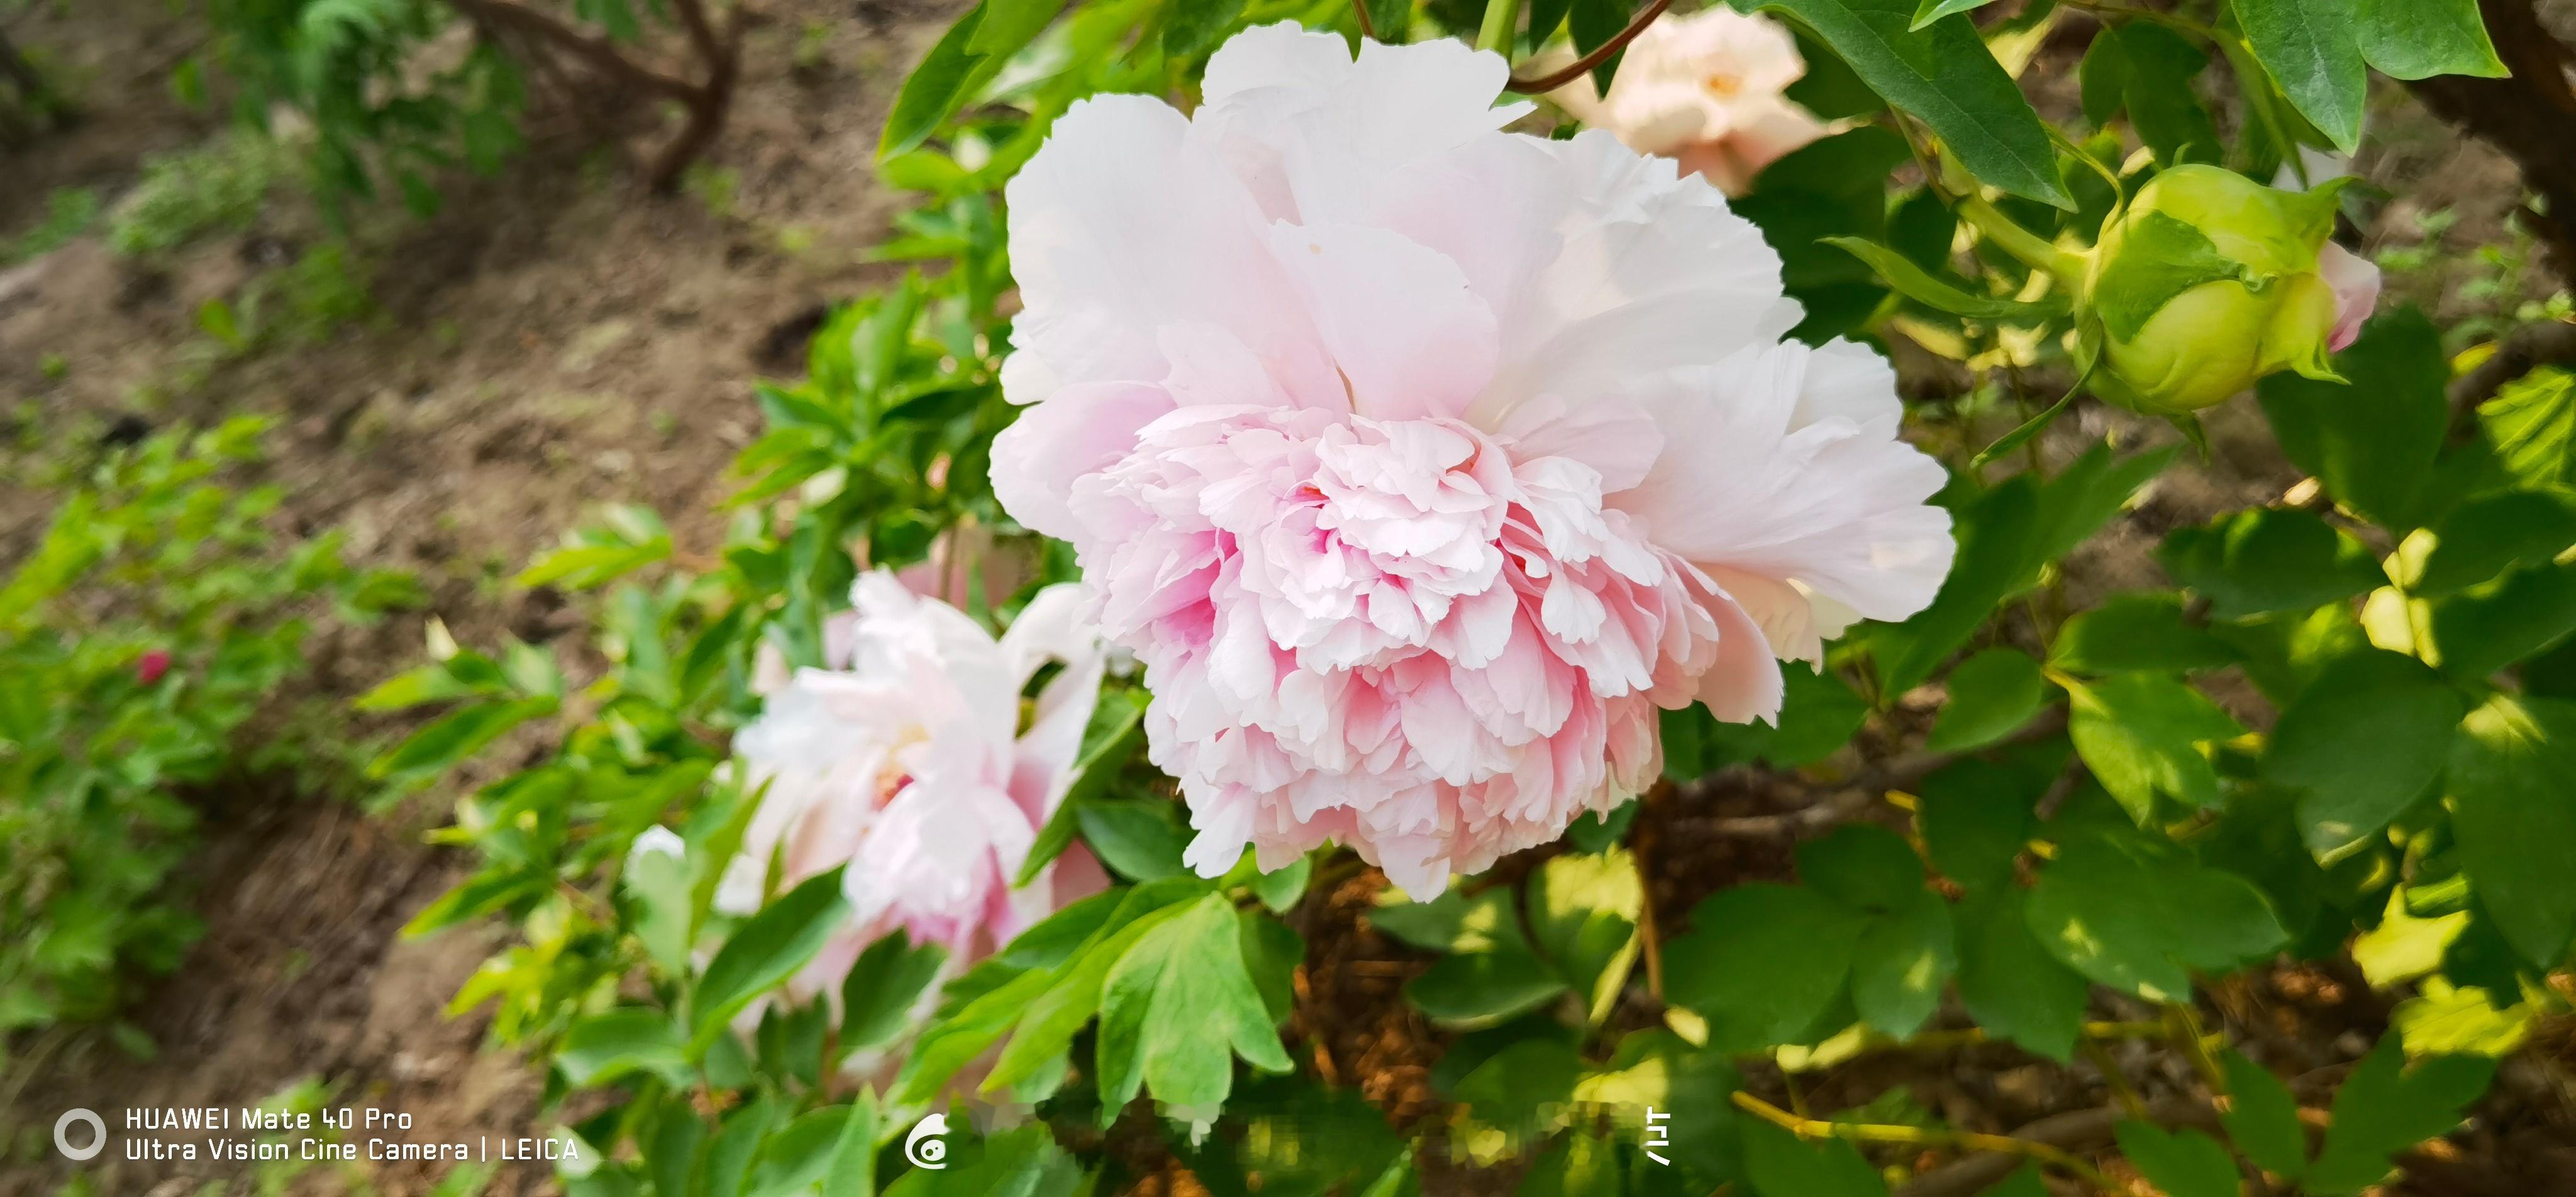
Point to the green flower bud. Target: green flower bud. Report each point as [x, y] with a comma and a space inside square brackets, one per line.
[2207, 281]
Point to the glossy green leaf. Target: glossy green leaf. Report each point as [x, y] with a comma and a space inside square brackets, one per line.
[1761, 963]
[1943, 75]
[2183, 1163]
[2262, 1118]
[1976, 819]
[1583, 912]
[2269, 559]
[1902, 964]
[1933, 10]
[2371, 442]
[883, 987]
[1178, 1007]
[853, 1169]
[2132, 911]
[2514, 812]
[1141, 839]
[2313, 51]
[2387, 1106]
[2145, 630]
[2486, 628]
[797, 1156]
[2418, 39]
[764, 951]
[2488, 535]
[2009, 981]
[2364, 742]
[1992, 694]
[2144, 736]
[1783, 1165]
[603, 1047]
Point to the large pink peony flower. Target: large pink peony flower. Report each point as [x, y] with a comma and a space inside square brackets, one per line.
[1705, 90]
[1418, 462]
[907, 762]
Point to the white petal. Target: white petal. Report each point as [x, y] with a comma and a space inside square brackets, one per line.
[1410, 338]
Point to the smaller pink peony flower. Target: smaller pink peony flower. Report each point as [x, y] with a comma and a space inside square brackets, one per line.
[1704, 90]
[2355, 280]
[907, 761]
[152, 665]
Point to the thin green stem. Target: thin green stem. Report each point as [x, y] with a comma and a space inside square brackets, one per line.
[2033, 250]
[1496, 33]
[1916, 1136]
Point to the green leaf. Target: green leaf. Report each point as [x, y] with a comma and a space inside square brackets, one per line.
[1901, 965]
[1116, 728]
[657, 883]
[1944, 75]
[726, 1162]
[853, 1171]
[2515, 816]
[2484, 537]
[1761, 963]
[2269, 559]
[2371, 442]
[459, 734]
[795, 1158]
[1919, 285]
[425, 684]
[764, 951]
[2386, 1107]
[2486, 628]
[1047, 1025]
[2142, 735]
[1933, 10]
[1491, 973]
[1783, 1165]
[2024, 1182]
[2363, 743]
[2418, 39]
[1282, 888]
[1193, 27]
[2184, 1163]
[1592, 23]
[2132, 911]
[2263, 1118]
[1141, 839]
[2313, 51]
[1992, 694]
[1178, 1007]
[884, 986]
[1583, 911]
[604, 1047]
[1976, 818]
[2532, 424]
[2138, 630]
[933, 90]
[2010, 983]
[2155, 82]
[1864, 866]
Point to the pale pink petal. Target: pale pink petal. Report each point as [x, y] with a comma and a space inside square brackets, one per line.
[2356, 284]
[1409, 336]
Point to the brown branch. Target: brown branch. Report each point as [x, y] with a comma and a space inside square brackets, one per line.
[600, 53]
[1852, 797]
[2083, 1130]
[2531, 116]
[2528, 348]
[1368, 28]
[1600, 54]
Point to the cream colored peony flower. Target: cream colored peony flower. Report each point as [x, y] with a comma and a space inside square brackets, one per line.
[1703, 90]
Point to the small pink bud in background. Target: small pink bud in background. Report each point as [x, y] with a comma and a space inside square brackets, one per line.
[152, 665]
[2356, 284]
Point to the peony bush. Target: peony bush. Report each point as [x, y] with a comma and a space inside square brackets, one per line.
[1316, 507]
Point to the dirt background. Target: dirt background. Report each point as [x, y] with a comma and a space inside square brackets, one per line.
[557, 339]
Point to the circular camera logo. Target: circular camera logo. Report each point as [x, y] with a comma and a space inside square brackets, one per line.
[923, 1146]
[97, 1133]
